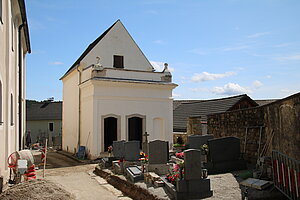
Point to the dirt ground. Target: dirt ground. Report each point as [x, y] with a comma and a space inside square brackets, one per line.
[65, 179]
[36, 190]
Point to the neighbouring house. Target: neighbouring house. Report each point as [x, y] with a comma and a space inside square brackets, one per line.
[15, 44]
[112, 92]
[185, 110]
[43, 120]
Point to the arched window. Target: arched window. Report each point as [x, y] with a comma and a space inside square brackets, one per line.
[11, 110]
[1, 119]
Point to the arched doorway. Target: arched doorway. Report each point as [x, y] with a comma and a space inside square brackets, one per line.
[110, 131]
[135, 129]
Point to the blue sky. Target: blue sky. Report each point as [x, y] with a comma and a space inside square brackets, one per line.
[214, 48]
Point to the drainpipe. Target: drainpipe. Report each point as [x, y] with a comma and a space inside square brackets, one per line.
[79, 105]
[20, 85]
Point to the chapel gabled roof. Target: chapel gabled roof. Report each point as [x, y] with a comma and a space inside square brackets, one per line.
[89, 48]
[202, 108]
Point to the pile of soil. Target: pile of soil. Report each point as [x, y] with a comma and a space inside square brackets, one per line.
[36, 190]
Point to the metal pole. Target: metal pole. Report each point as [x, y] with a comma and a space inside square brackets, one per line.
[45, 158]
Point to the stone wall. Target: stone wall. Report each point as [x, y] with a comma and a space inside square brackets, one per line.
[280, 119]
[194, 126]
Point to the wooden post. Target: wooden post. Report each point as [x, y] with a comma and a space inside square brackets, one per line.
[45, 158]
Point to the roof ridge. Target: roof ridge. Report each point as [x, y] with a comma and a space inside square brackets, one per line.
[231, 97]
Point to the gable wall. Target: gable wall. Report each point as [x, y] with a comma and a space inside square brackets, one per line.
[118, 42]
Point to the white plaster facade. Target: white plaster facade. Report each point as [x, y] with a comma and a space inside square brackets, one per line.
[92, 93]
[14, 44]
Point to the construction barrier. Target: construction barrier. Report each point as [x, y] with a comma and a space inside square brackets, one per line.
[286, 175]
[30, 173]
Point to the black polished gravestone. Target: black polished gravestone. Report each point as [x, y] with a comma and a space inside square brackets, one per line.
[193, 185]
[132, 150]
[224, 149]
[158, 152]
[197, 141]
[224, 155]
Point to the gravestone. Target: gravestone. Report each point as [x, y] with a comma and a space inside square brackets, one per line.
[132, 150]
[192, 164]
[193, 185]
[197, 141]
[224, 155]
[118, 149]
[134, 173]
[158, 152]
[224, 149]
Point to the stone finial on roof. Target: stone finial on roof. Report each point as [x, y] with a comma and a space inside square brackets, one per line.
[166, 70]
[98, 65]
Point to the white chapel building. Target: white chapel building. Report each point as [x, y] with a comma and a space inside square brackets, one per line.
[112, 92]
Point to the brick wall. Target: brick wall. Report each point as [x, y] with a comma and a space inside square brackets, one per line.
[281, 118]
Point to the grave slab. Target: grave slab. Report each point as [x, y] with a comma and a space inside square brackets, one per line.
[134, 173]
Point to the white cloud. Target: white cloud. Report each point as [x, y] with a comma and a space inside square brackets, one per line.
[289, 57]
[283, 45]
[56, 63]
[268, 76]
[159, 66]
[198, 52]
[159, 42]
[176, 95]
[198, 89]
[151, 12]
[257, 84]
[234, 48]
[288, 91]
[256, 35]
[230, 89]
[205, 76]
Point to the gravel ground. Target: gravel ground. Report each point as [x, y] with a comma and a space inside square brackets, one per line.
[36, 190]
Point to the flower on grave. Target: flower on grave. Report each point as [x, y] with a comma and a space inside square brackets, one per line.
[179, 155]
[204, 149]
[143, 160]
[110, 149]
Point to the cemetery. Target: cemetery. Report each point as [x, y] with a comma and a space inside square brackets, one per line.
[179, 173]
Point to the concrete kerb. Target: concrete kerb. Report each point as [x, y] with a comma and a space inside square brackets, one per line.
[127, 188]
[71, 156]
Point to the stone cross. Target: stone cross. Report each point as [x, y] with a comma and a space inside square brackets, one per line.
[145, 143]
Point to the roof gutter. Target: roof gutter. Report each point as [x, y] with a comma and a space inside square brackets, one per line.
[79, 104]
[20, 86]
[25, 23]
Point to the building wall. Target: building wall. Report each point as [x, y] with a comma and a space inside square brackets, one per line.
[124, 100]
[9, 129]
[70, 112]
[100, 99]
[40, 129]
[281, 118]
